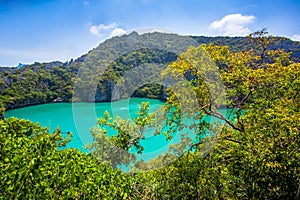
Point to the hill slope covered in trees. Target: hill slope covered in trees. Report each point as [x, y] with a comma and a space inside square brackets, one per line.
[47, 82]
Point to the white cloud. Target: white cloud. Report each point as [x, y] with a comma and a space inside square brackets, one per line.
[101, 28]
[107, 30]
[118, 32]
[233, 24]
[296, 37]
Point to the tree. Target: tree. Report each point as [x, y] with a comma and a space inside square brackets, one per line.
[256, 155]
[34, 165]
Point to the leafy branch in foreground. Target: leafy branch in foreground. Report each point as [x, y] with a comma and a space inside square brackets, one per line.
[32, 167]
[114, 149]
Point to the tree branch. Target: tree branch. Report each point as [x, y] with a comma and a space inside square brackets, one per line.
[220, 116]
[232, 140]
[245, 98]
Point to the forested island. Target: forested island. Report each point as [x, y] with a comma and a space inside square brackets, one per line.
[255, 154]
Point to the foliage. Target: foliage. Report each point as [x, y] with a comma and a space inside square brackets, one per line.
[114, 149]
[136, 74]
[116, 63]
[35, 84]
[32, 167]
[238, 44]
[256, 155]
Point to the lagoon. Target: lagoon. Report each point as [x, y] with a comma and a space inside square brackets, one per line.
[78, 118]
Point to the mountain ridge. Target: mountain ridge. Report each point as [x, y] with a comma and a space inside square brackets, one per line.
[218, 40]
[46, 82]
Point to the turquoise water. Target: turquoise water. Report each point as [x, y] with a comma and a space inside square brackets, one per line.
[78, 118]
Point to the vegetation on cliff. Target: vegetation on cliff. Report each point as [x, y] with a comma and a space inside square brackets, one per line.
[46, 82]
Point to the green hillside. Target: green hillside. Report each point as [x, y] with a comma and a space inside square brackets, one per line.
[54, 81]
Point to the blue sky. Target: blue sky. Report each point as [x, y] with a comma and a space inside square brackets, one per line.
[48, 30]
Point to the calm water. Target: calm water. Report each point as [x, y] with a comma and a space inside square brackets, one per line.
[80, 117]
